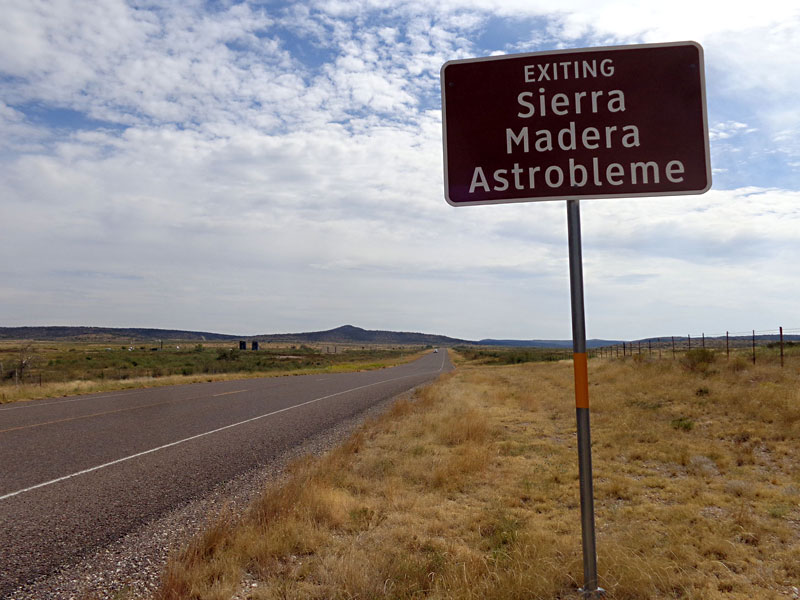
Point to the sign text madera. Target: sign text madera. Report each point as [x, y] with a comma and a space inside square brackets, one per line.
[592, 123]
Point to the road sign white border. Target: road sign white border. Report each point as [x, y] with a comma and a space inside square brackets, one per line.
[701, 55]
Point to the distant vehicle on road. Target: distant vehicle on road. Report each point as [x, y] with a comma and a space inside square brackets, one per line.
[435, 350]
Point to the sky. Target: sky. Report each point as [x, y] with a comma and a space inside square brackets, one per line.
[272, 167]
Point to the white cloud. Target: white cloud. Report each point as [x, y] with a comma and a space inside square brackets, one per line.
[16, 134]
[728, 129]
[281, 169]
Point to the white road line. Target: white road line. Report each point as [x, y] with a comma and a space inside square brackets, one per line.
[194, 437]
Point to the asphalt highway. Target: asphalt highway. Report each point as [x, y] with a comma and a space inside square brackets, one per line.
[78, 473]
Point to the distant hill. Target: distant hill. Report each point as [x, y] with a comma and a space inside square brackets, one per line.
[346, 334]
[107, 334]
[761, 338]
[355, 335]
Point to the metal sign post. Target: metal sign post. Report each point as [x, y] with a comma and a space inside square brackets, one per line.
[589, 588]
[613, 122]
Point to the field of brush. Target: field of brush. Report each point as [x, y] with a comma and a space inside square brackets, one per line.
[470, 490]
[30, 370]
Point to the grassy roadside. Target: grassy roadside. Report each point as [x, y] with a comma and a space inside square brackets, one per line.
[470, 491]
[261, 366]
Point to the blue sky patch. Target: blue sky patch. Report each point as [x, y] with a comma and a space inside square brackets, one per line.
[64, 118]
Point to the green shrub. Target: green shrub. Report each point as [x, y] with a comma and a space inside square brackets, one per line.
[683, 423]
[698, 359]
[738, 364]
[232, 354]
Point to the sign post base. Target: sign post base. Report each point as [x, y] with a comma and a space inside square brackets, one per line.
[592, 594]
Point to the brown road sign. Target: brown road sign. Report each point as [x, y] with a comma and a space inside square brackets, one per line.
[591, 123]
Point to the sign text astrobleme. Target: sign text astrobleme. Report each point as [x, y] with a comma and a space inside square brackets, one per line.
[607, 122]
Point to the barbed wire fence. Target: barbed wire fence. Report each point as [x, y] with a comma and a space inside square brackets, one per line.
[766, 345]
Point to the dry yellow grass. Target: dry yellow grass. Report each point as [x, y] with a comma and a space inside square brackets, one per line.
[471, 492]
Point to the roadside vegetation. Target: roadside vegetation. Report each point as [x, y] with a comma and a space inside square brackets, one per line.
[470, 490]
[511, 356]
[30, 370]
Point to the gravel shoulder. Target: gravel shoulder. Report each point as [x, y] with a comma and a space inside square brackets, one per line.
[130, 568]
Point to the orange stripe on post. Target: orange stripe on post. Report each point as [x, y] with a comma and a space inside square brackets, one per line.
[581, 380]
